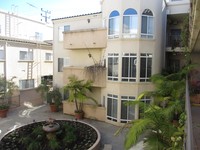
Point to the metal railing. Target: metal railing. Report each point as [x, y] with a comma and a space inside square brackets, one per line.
[188, 125]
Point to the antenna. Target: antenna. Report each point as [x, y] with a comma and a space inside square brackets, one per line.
[46, 15]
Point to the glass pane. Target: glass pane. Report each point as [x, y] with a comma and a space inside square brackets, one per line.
[142, 67]
[123, 110]
[125, 64]
[109, 107]
[131, 115]
[109, 66]
[133, 24]
[23, 55]
[150, 25]
[115, 67]
[144, 24]
[126, 24]
[111, 26]
[1, 54]
[114, 108]
[132, 67]
[60, 64]
[149, 65]
[116, 25]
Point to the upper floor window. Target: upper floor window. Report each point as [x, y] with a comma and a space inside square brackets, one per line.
[26, 84]
[48, 56]
[130, 23]
[61, 30]
[26, 55]
[147, 24]
[113, 30]
[113, 63]
[129, 67]
[145, 67]
[38, 36]
[127, 111]
[63, 62]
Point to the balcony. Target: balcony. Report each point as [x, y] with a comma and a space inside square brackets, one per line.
[97, 75]
[85, 39]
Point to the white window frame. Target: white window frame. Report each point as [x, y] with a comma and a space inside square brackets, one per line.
[149, 18]
[48, 57]
[146, 78]
[29, 84]
[27, 57]
[132, 32]
[114, 32]
[115, 66]
[114, 100]
[128, 116]
[129, 78]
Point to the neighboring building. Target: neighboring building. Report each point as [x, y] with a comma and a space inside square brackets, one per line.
[132, 39]
[25, 50]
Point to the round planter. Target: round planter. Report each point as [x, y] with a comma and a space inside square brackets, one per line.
[3, 113]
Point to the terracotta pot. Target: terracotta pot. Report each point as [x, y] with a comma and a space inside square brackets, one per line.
[3, 113]
[79, 115]
[53, 108]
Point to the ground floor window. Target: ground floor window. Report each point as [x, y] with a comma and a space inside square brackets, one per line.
[112, 107]
[127, 110]
[146, 101]
[26, 84]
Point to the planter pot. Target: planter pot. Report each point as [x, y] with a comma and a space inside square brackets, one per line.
[53, 108]
[79, 115]
[3, 113]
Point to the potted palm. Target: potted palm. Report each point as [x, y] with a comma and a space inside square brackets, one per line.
[7, 88]
[43, 89]
[54, 98]
[78, 90]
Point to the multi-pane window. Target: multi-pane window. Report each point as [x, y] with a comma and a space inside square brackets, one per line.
[147, 24]
[113, 31]
[48, 56]
[130, 22]
[129, 67]
[113, 59]
[26, 84]
[145, 67]
[63, 62]
[2, 54]
[127, 110]
[112, 107]
[25, 55]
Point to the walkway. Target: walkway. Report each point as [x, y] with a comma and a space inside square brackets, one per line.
[24, 115]
[196, 126]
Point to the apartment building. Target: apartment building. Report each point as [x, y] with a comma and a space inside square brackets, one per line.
[119, 49]
[25, 50]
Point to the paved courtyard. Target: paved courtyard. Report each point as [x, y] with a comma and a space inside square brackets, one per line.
[26, 114]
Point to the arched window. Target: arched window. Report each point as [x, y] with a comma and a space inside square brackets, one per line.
[114, 24]
[147, 24]
[130, 23]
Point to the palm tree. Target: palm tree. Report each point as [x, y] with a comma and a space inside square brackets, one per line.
[157, 123]
[78, 90]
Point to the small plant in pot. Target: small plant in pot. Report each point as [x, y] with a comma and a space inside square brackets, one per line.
[7, 88]
[78, 90]
[54, 98]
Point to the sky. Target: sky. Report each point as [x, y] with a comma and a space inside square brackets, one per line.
[58, 8]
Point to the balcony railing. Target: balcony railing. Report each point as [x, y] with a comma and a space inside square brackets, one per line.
[188, 126]
[85, 39]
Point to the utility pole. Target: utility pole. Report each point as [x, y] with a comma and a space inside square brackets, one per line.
[46, 15]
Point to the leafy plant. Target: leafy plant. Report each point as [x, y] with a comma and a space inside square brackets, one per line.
[78, 90]
[43, 89]
[157, 123]
[7, 88]
[54, 97]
